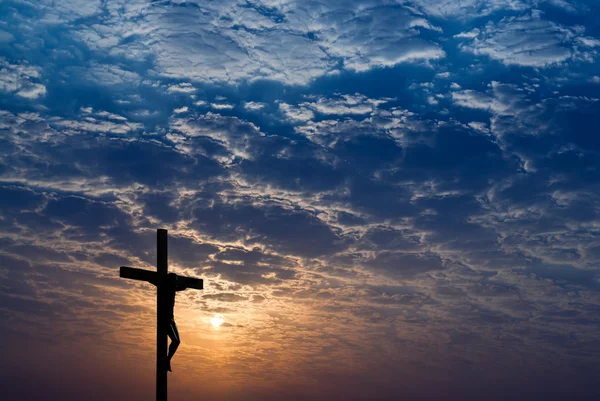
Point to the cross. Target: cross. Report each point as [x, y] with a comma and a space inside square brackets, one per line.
[164, 284]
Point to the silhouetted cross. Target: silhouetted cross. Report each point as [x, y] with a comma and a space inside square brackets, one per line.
[164, 282]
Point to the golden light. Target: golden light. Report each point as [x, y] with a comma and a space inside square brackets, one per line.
[216, 321]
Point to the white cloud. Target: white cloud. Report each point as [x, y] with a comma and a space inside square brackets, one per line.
[467, 9]
[529, 41]
[379, 37]
[432, 100]
[181, 88]
[232, 131]
[64, 11]
[103, 114]
[32, 91]
[501, 99]
[19, 79]
[107, 74]
[345, 104]
[479, 126]
[588, 42]
[226, 42]
[562, 4]
[254, 105]
[296, 113]
[473, 99]
[189, 46]
[221, 106]
[90, 124]
[468, 35]
[399, 124]
[110, 116]
[180, 110]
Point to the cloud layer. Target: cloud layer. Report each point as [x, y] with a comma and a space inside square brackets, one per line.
[390, 195]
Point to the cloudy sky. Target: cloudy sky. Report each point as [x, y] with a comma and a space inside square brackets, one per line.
[386, 199]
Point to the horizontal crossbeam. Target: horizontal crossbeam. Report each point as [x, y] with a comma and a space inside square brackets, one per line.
[188, 282]
[152, 277]
[138, 274]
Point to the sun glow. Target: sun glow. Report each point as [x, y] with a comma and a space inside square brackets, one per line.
[216, 321]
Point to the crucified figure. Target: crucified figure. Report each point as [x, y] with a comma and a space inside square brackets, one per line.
[172, 284]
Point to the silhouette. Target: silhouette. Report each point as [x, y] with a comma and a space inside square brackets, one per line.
[167, 285]
[172, 285]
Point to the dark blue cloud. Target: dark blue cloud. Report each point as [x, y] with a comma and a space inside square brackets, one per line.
[81, 212]
[285, 230]
[19, 199]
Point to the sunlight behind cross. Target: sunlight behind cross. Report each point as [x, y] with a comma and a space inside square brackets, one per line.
[216, 321]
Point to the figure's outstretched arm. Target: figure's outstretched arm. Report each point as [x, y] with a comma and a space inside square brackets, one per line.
[180, 284]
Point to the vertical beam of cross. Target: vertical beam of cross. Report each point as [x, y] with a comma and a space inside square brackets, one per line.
[162, 268]
[164, 291]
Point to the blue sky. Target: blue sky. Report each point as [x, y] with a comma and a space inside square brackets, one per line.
[399, 196]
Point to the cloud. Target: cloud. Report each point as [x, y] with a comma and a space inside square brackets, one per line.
[467, 9]
[251, 266]
[105, 161]
[222, 53]
[269, 224]
[185, 87]
[77, 212]
[344, 104]
[254, 106]
[479, 126]
[399, 264]
[296, 113]
[226, 297]
[379, 37]
[104, 114]
[230, 42]
[90, 124]
[221, 106]
[32, 91]
[107, 74]
[501, 99]
[530, 41]
[235, 133]
[564, 5]
[74, 9]
[6, 37]
[468, 35]
[19, 79]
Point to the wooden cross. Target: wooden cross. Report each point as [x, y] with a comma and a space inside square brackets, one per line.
[159, 279]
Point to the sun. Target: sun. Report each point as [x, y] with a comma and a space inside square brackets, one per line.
[216, 321]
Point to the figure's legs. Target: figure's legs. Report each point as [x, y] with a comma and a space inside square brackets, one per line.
[174, 336]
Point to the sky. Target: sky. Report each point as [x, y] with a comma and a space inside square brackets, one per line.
[387, 200]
